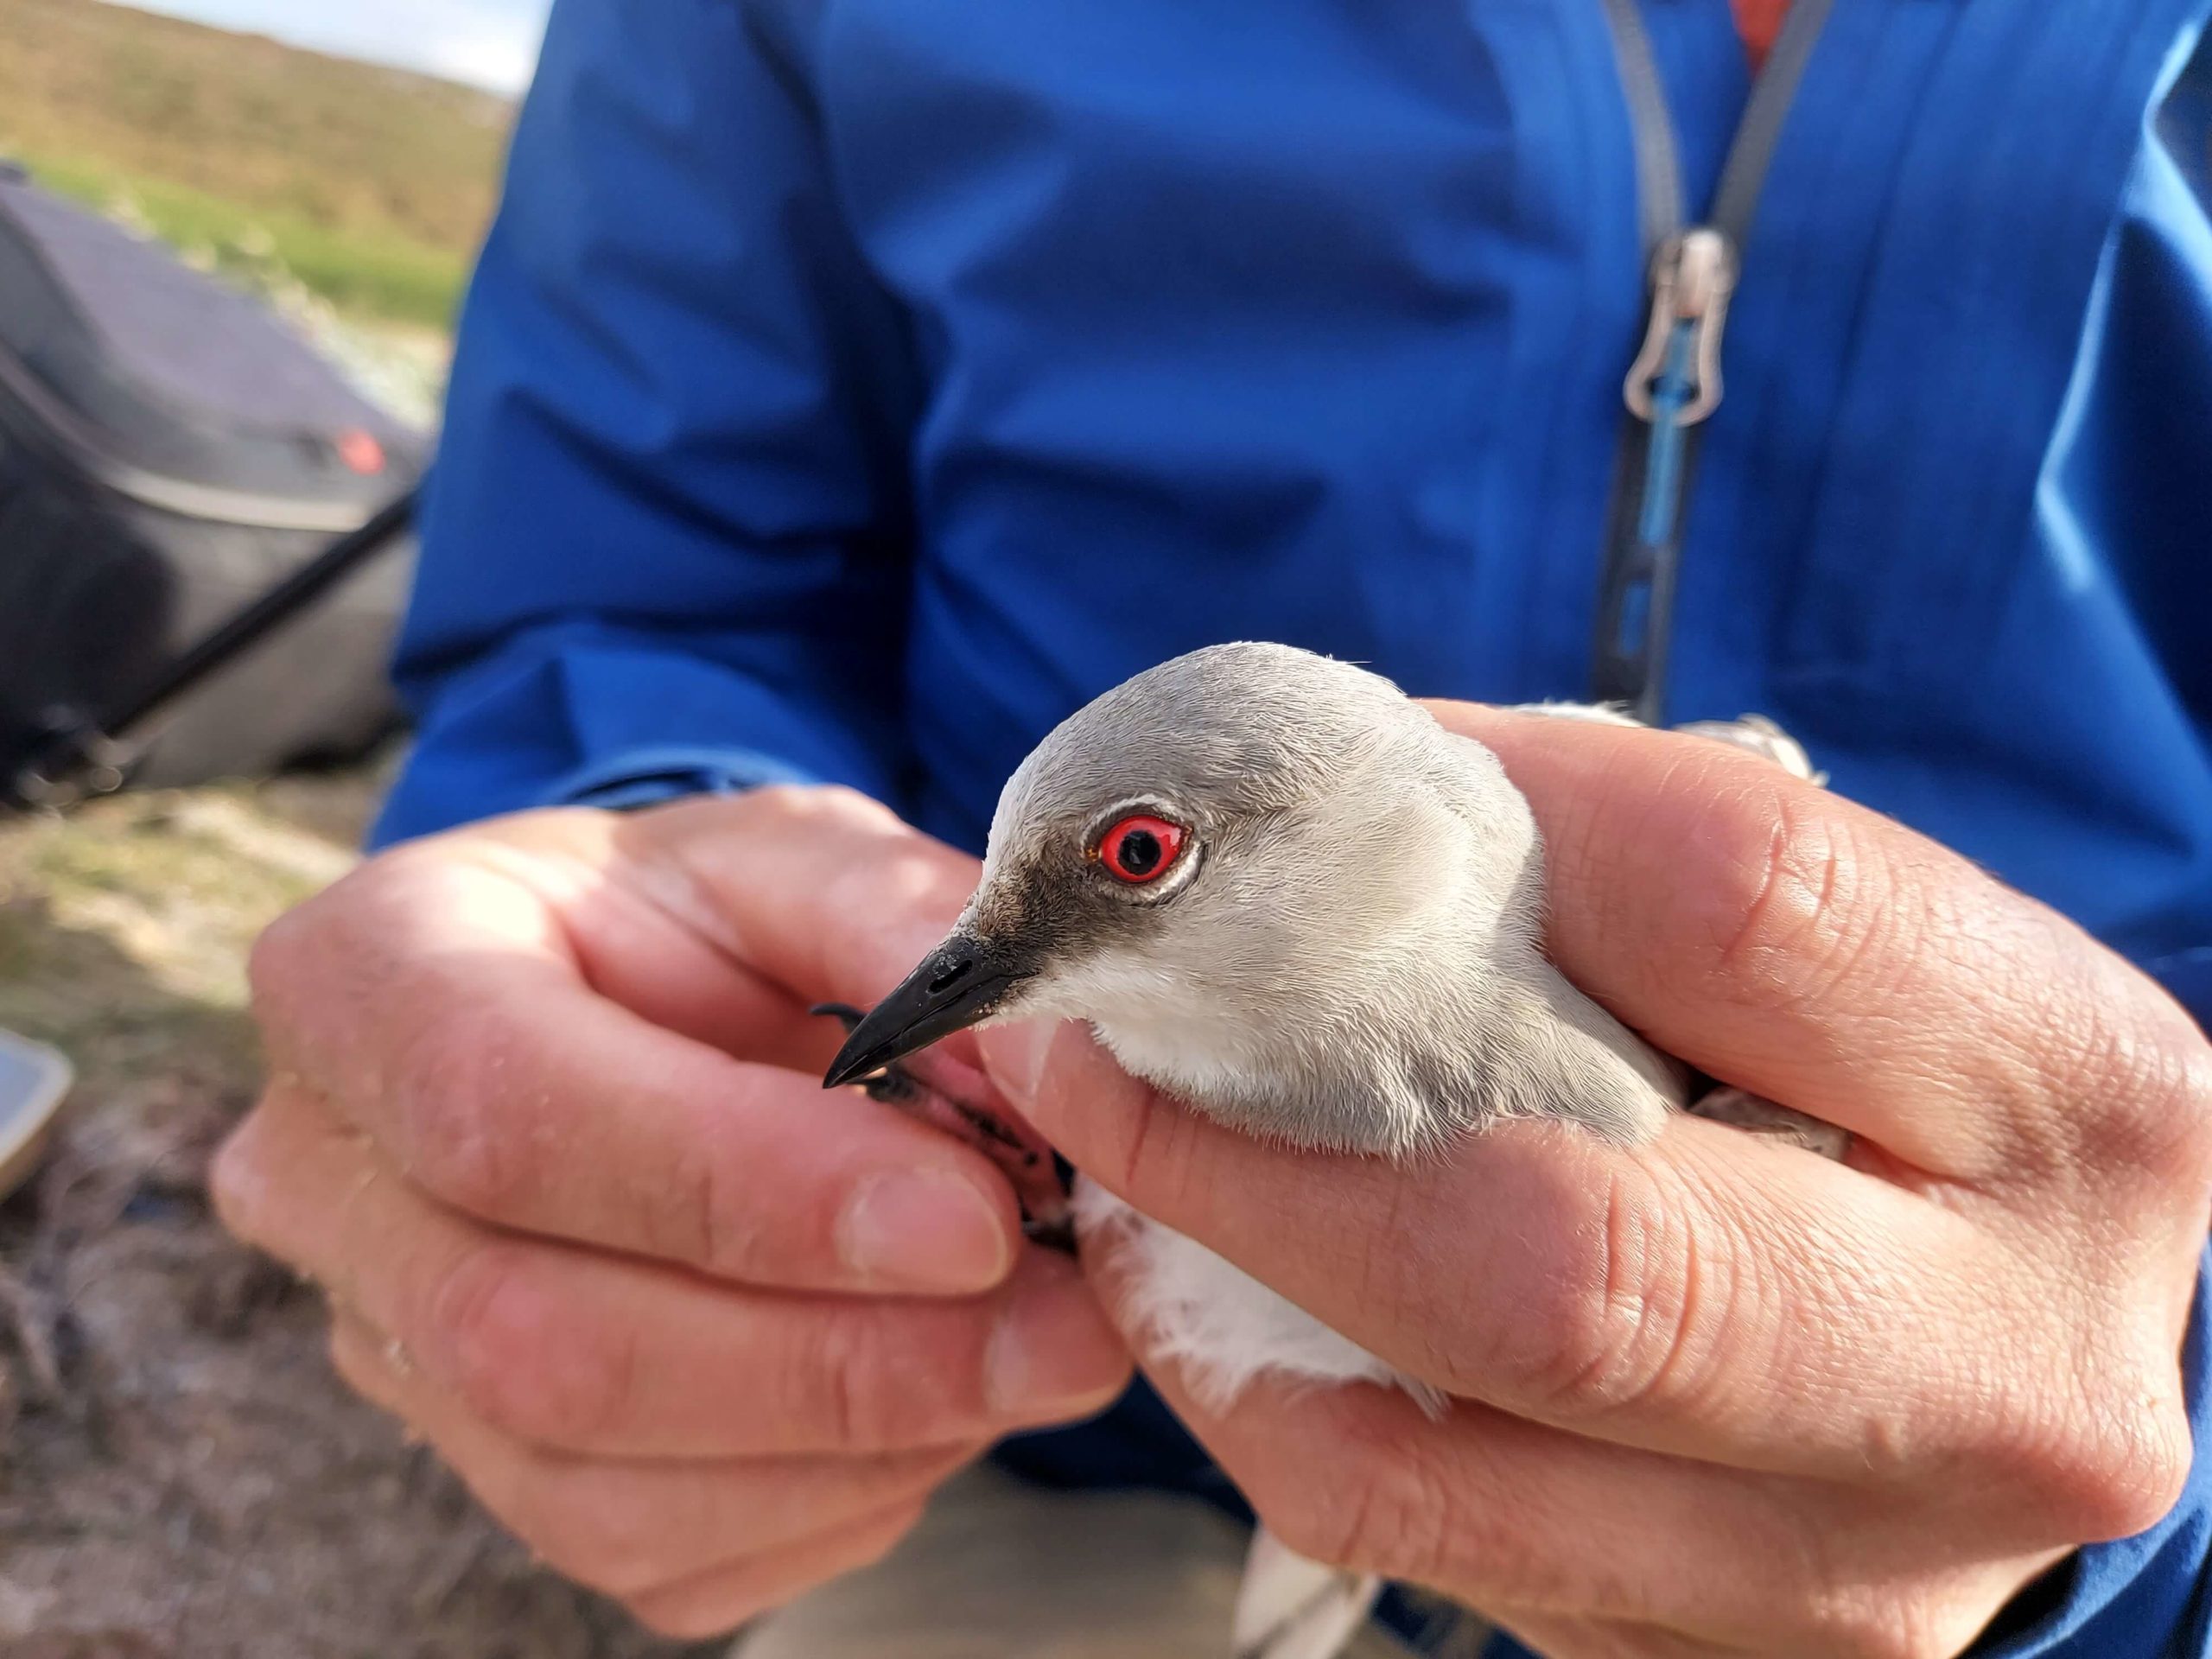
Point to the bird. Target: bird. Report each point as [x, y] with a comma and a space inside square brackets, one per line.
[1280, 891]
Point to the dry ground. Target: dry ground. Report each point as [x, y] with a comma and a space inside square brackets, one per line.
[181, 1477]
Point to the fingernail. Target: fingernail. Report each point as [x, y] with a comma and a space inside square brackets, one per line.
[1015, 1057]
[926, 1230]
[1053, 1354]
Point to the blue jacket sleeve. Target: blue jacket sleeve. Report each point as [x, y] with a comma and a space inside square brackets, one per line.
[665, 543]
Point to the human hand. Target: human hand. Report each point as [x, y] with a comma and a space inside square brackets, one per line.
[546, 1119]
[1712, 1394]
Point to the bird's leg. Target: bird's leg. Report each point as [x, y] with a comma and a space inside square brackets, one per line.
[955, 1099]
[1289, 1607]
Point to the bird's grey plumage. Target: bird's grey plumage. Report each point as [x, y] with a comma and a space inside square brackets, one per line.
[1347, 957]
[1344, 953]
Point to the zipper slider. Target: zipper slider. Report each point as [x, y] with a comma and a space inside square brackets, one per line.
[1675, 378]
[1673, 385]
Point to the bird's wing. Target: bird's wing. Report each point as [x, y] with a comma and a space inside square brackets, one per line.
[1291, 1608]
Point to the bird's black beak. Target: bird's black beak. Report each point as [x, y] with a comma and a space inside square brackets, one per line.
[958, 983]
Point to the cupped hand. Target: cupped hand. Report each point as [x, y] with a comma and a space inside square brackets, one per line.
[545, 1120]
[1715, 1394]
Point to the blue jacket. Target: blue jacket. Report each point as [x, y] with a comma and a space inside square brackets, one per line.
[851, 388]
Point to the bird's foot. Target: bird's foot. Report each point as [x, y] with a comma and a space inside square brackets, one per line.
[956, 1099]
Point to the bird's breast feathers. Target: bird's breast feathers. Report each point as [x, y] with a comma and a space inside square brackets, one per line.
[1221, 1327]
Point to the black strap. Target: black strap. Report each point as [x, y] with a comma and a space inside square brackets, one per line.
[88, 751]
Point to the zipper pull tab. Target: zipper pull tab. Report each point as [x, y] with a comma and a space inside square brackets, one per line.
[1676, 377]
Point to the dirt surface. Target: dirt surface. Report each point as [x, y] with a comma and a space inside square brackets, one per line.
[181, 1475]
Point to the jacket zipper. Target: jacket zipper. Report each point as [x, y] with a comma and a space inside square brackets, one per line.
[1675, 384]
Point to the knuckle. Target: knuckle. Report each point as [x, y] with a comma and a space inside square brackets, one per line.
[805, 803]
[346, 1350]
[289, 953]
[1390, 1516]
[237, 1182]
[865, 1402]
[2158, 1094]
[518, 1355]
[442, 1102]
[867, 1383]
[345, 1358]
[1618, 1327]
[587, 1529]
[711, 1220]
[2089, 1451]
[273, 964]
[286, 976]
[1318, 1524]
[2121, 1472]
[323, 974]
[1784, 903]
[1369, 1498]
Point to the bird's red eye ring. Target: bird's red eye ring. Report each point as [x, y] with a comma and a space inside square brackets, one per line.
[1140, 849]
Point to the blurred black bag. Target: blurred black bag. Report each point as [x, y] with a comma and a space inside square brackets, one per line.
[169, 455]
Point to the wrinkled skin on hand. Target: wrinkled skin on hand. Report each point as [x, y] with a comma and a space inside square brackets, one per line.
[545, 1120]
[1715, 1394]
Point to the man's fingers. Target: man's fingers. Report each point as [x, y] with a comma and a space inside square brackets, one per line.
[442, 1008]
[1655, 1297]
[724, 918]
[626, 1527]
[1510, 1516]
[1825, 957]
[694, 1548]
[718, 1602]
[589, 1352]
[823, 891]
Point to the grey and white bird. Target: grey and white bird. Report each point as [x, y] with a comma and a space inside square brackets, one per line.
[1278, 890]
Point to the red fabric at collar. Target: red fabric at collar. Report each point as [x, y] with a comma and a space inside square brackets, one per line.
[1758, 22]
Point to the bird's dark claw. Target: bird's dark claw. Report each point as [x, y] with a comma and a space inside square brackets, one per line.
[1057, 1235]
[954, 1098]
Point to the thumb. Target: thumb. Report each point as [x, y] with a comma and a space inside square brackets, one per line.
[1059, 1076]
[1707, 1294]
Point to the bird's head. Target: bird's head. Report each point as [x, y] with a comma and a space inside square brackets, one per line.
[1243, 839]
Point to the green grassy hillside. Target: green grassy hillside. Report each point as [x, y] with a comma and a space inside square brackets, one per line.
[371, 186]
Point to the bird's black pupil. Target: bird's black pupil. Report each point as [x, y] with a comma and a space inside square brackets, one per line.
[1140, 852]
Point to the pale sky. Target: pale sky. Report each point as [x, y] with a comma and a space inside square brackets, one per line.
[488, 42]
